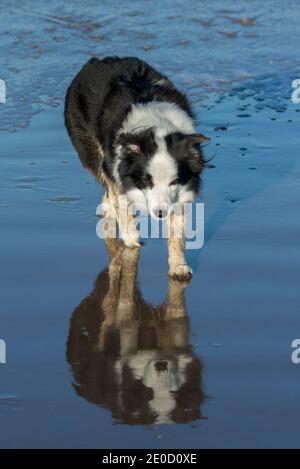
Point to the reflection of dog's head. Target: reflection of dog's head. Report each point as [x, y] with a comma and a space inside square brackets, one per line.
[143, 368]
[173, 381]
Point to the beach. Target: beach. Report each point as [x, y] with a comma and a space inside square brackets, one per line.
[242, 305]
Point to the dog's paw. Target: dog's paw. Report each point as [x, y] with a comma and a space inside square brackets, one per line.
[181, 272]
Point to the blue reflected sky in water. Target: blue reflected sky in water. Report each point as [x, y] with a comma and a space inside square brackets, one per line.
[243, 301]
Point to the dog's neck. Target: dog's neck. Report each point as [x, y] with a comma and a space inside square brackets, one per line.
[165, 117]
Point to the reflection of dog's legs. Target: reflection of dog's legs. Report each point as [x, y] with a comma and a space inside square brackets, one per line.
[110, 301]
[175, 307]
[126, 308]
[178, 267]
[113, 247]
[129, 270]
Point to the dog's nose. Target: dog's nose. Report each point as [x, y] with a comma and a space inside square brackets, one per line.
[160, 212]
[162, 365]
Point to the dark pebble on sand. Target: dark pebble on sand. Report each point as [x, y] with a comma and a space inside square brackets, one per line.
[63, 200]
[222, 127]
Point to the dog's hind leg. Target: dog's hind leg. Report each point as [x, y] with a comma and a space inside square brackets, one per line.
[178, 267]
[107, 209]
[115, 208]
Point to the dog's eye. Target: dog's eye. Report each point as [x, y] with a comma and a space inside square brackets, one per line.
[174, 182]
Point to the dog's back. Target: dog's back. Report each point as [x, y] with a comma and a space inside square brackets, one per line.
[100, 97]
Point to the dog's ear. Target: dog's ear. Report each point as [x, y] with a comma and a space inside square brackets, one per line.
[133, 148]
[137, 143]
[128, 144]
[193, 152]
[180, 140]
[193, 139]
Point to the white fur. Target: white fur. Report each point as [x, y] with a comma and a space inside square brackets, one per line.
[165, 117]
[185, 195]
[163, 170]
[137, 197]
[163, 383]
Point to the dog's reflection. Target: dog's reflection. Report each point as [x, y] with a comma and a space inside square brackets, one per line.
[129, 356]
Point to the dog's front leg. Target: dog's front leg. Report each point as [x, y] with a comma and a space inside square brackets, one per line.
[178, 267]
[116, 207]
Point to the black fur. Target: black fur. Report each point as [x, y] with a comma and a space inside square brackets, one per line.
[97, 102]
[132, 169]
[185, 150]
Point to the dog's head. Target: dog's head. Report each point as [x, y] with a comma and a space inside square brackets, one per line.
[157, 170]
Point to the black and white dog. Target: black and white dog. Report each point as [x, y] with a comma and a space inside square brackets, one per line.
[136, 133]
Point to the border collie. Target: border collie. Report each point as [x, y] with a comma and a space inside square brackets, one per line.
[136, 133]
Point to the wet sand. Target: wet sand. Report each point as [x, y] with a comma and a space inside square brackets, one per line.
[229, 350]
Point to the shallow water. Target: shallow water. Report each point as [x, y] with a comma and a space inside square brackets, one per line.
[203, 45]
[221, 374]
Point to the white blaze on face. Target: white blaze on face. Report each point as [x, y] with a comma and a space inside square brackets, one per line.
[163, 170]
